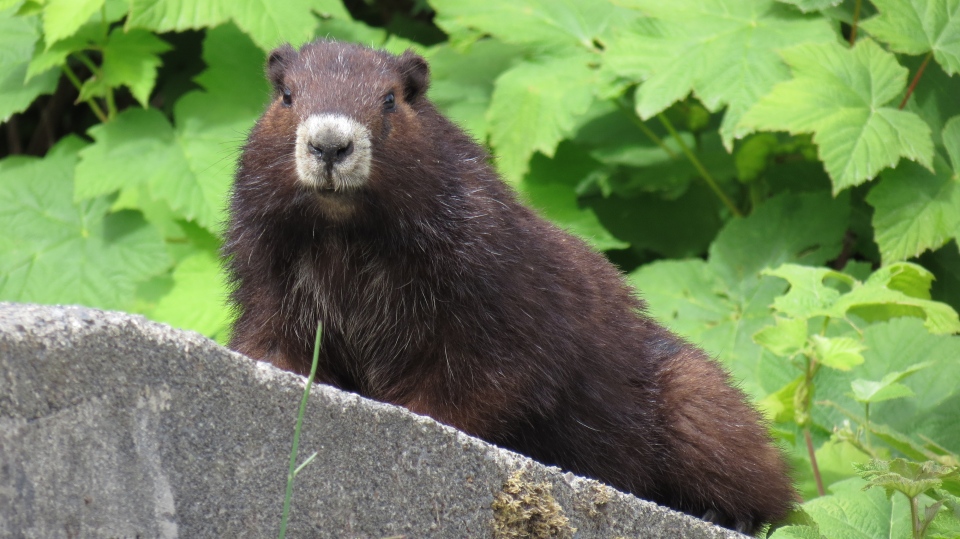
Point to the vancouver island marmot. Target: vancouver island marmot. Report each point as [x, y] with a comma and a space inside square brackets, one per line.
[358, 205]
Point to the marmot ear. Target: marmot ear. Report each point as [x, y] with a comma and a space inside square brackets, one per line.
[277, 64]
[416, 75]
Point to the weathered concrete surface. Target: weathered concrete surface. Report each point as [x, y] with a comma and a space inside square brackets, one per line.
[115, 426]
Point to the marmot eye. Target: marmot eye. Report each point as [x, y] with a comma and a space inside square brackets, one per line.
[287, 97]
[389, 102]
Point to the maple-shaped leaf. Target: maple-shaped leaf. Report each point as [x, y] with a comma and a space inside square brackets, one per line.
[55, 251]
[722, 303]
[461, 81]
[915, 209]
[839, 95]
[61, 18]
[555, 23]
[534, 106]
[900, 289]
[723, 51]
[188, 165]
[197, 281]
[918, 27]
[130, 59]
[55, 55]
[269, 23]
[18, 35]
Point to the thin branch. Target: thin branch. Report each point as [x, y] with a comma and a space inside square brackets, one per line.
[813, 461]
[94, 106]
[632, 114]
[94, 68]
[856, 20]
[699, 166]
[916, 79]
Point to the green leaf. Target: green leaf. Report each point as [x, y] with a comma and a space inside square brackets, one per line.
[933, 98]
[534, 107]
[130, 59]
[841, 353]
[797, 532]
[901, 346]
[268, 23]
[887, 388]
[901, 475]
[724, 52]
[839, 95]
[807, 6]
[880, 299]
[721, 304]
[55, 55]
[675, 228]
[808, 295]
[649, 168]
[919, 26]
[211, 124]
[951, 141]
[189, 166]
[753, 156]
[18, 35]
[900, 289]
[786, 338]
[554, 23]
[176, 15]
[915, 210]
[869, 391]
[462, 82]
[836, 459]
[56, 252]
[806, 229]
[61, 18]
[780, 406]
[550, 188]
[850, 513]
[198, 300]
[137, 147]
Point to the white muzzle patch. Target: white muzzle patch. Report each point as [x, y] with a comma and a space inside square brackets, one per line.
[333, 152]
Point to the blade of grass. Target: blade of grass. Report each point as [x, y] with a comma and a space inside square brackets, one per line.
[296, 437]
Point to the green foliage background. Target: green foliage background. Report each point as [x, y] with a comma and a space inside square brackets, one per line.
[780, 179]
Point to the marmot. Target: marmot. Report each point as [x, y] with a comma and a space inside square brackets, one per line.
[358, 205]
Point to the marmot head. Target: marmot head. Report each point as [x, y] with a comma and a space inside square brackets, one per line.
[349, 110]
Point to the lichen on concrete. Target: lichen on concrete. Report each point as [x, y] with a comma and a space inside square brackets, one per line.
[524, 509]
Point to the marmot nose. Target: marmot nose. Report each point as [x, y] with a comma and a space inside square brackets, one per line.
[331, 153]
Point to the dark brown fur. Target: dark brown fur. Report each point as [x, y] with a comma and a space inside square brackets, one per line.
[440, 292]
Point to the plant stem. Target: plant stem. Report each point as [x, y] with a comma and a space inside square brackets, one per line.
[296, 436]
[111, 105]
[916, 79]
[632, 114]
[915, 518]
[94, 69]
[98, 72]
[77, 84]
[813, 461]
[866, 426]
[103, 20]
[856, 20]
[810, 372]
[699, 166]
